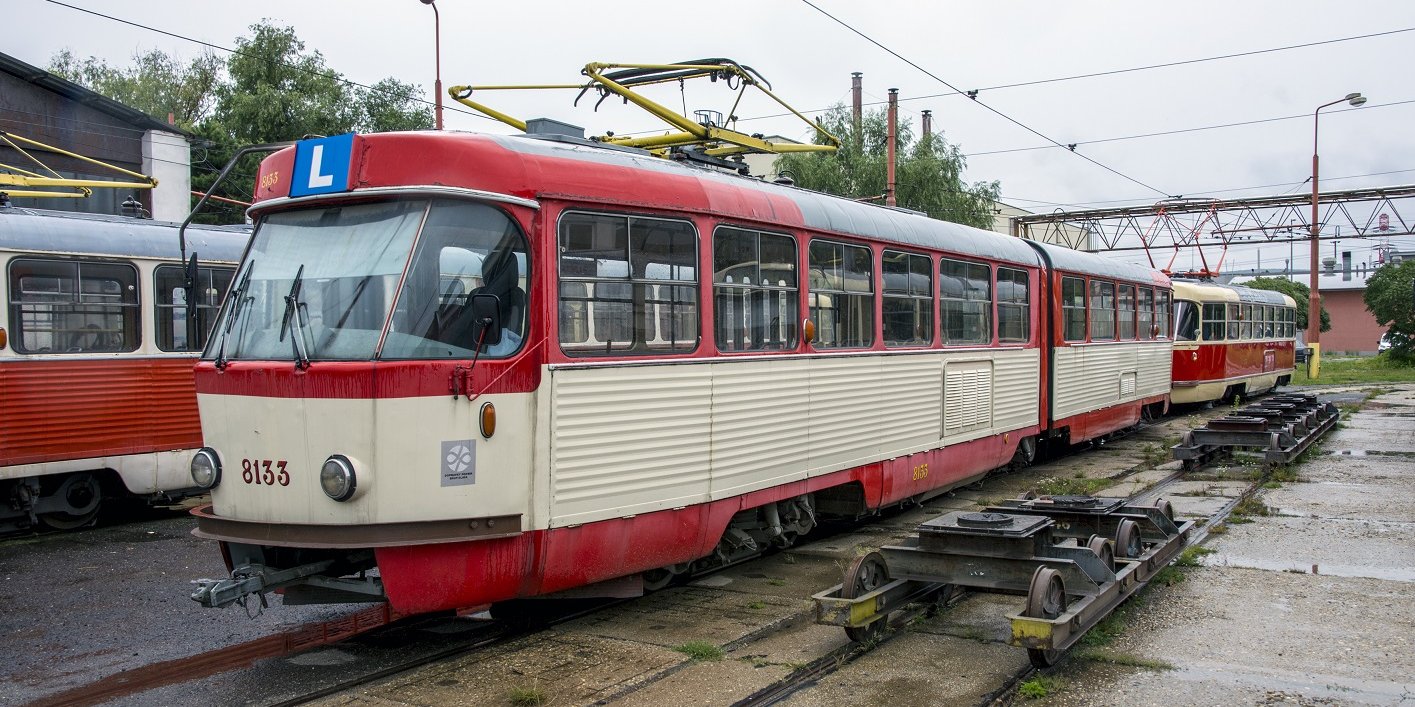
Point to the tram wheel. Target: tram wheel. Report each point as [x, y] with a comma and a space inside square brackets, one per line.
[1102, 548]
[1127, 539]
[83, 497]
[657, 579]
[866, 574]
[1046, 599]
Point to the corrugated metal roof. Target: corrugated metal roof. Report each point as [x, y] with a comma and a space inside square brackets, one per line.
[40, 231]
[1092, 264]
[74, 92]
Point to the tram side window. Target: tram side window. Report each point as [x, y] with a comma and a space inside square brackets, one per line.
[171, 306]
[1014, 316]
[842, 295]
[908, 299]
[628, 285]
[1235, 321]
[965, 302]
[1248, 322]
[1270, 321]
[1187, 316]
[1125, 312]
[1073, 308]
[1291, 323]
[1102, 311]
[1162, 311]
[71, 306]
[1214, 324]
[755, 302]
[1145, 323]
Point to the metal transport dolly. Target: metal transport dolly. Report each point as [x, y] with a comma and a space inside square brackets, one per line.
[1076, 558]
[1281, 426]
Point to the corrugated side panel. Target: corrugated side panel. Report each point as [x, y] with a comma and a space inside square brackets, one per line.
[633, 439]
[967, 396]
[1089, 378]
[54, 409]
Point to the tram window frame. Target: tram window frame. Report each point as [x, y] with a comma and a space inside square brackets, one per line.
[851, 310]
[165, 307]
[1073, 316]
[1011, 308]
[1163, 311]
[756, 330]
[635, 297]
[1102, 308]
[1291, 323]
[1125, 313]
[1214, 321]
[1247, 319]
[955, 312]
[908, 309]
[1145, 313]
[1235, 321]
[126, 332]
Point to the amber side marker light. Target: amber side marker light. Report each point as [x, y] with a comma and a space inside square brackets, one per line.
[3, 337]
[488, 420]
[808, 328]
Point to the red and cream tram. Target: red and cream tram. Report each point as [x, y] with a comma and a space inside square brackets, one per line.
[498, 367]
[1230, 341]
[96, 396]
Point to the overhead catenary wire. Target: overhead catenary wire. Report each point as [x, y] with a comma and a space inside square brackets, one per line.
[989, 108]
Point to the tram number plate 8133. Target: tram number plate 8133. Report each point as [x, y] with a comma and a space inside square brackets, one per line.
[265, 472]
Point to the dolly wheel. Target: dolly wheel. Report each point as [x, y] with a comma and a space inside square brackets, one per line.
[1165, 507]
[1127, 539]
[1101, 547]
[866, 574]
[1046, 599]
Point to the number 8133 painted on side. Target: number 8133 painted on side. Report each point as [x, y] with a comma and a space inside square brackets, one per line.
[265, 472]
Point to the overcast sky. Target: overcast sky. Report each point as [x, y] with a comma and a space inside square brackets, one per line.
[808, 58]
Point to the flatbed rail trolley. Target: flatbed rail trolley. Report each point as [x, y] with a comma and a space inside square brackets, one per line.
[1075, 558]
[1279, 427]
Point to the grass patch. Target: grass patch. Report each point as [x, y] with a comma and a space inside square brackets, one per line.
[1168, 576]
[776, 582]
[1072, 487]
[1239, 520]
[700, 650]
[1280, 474]
[526, 696]
[1219, 529]
[1251, 506]
[1364, 369]
[756, 605]
[1127, 659]
[1038, 687]
[1191, 556]
[1154, 454]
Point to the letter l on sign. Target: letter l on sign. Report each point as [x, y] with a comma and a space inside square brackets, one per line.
[322, 165]
[318, 180]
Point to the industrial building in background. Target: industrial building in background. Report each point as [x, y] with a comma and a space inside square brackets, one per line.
[39, 106]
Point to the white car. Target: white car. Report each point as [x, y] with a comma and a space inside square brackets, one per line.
[1385, 343]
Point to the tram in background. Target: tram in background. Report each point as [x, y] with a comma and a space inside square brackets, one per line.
[96, 392]
[496, 367]
[1230, 341]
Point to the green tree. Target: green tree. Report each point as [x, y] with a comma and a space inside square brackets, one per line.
[1298, 292]
[156, 83]
[929, 173]
[391, 106]
[1390, 295]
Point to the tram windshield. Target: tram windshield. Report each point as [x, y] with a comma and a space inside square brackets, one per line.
[324, 284]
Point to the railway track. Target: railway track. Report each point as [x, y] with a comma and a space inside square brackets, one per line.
[369, 623]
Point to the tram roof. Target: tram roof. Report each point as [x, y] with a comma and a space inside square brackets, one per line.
[818, 211]
[1091, 264]
[45, 231]
[1209, 291]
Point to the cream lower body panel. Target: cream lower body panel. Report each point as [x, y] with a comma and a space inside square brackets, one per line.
[1090, 377]
[1204, 392]
[142, 474]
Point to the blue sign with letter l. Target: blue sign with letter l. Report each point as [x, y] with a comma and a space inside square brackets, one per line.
[322, 165]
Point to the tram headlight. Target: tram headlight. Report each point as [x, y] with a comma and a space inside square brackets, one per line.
[336, 477]
[206, 468]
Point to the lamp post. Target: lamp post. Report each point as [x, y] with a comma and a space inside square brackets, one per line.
[437, 47]
[1314, 306]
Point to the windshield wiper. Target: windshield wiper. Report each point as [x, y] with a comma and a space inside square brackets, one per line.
[238, 300]
[292, 311]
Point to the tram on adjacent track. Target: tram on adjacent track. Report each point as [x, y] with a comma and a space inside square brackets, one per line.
[496, 367]
[1230, 341]
[96, 391]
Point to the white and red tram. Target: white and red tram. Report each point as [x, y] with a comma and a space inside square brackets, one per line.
[96, 396]
[1230, 341]
[498, 367]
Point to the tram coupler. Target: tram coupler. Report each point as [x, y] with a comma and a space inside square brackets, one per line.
[252, 579]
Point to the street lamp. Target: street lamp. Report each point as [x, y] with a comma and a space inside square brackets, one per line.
[1314, 307]
[437, 48]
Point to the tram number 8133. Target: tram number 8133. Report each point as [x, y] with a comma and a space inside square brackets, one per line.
[265, 472]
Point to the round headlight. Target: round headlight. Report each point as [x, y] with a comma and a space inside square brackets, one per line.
[206, 468]
[336, 477]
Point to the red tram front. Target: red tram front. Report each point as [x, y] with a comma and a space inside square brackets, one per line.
[1230, 341]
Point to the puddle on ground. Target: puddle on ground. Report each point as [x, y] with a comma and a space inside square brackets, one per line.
[1298, 689]
[1392, 574]
[1370, 452]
